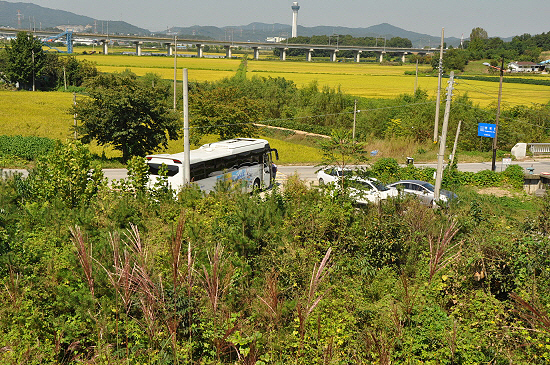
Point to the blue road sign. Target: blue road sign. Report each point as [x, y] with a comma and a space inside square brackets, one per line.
[486, 130]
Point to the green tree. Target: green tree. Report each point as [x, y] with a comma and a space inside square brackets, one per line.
[68, 173]
[223, 111]
[477, 42]
[453, 59]
[24, 61]
[341, 150]
[132, 115]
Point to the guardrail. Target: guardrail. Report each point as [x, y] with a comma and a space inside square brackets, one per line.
[539, 148]
[520, 149]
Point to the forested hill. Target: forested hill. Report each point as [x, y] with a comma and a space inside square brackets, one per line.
[38, 17]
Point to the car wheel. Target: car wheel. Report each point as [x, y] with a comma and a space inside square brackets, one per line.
[321, 182]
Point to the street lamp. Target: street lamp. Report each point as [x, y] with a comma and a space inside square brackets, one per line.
[494, 165]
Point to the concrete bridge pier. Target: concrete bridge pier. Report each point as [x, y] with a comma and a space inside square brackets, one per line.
[256, 53]
[283, 54]
[381, 58]
[200, 50]
[309, 55]
[227, 51]
[138, 47]
[104, 44]
[357, 55]
[403, 57]
[169, 50]
[333, 55]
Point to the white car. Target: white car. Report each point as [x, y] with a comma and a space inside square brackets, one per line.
[422, 190]
[362, 190]
[332, 174]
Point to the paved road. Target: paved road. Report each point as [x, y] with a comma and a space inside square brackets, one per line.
[308, 172]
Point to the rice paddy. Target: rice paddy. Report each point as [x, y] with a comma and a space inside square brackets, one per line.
[364, 79]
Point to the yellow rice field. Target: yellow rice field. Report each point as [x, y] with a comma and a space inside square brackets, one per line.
[47, 114]
[365, 79]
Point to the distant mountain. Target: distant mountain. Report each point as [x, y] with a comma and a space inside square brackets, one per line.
[31, 16]
[28, 16]
[259, 32]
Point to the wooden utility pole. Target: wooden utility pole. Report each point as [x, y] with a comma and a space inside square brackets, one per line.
[436, 123]
[443, 140]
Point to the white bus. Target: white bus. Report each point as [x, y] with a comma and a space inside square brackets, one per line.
[241, 160]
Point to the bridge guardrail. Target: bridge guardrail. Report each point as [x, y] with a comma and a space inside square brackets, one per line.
[539, 148]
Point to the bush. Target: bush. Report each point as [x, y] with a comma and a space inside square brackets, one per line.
[67, 174]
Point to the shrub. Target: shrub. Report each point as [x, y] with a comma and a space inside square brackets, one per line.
[67, 174]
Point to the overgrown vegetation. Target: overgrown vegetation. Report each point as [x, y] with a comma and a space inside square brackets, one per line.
[296, 276]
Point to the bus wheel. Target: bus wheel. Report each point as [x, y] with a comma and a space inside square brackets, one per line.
[256, 185]
[321, 182]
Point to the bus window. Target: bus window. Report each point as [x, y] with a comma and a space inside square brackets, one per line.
[171, 170]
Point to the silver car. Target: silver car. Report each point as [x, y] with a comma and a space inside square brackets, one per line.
[422, 190]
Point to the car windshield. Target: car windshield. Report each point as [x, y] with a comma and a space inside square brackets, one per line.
[380, 186]
[428, 186]
[338, 172]
[358, 184]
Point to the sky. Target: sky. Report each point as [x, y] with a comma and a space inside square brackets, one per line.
[500, 18]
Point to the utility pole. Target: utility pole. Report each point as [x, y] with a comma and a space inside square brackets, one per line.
[186, 151]
[436, 124]
[456, 142]
[354, 119]
[494, 163]
[416, 78]
[74, 117]
[33, 74]
[443, 140]
[175, 68]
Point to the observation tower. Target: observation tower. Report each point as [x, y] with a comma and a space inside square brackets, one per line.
[295, 7]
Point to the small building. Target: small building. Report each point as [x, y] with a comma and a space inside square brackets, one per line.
[525, 67]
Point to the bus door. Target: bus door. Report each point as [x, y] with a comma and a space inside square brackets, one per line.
[270, 169]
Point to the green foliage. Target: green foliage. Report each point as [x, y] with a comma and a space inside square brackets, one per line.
[341, 150]
[67, 174]
[130, 114]
[224, 112]
[231, 277]
[66, 72]
[138, 173]
[24, 61]
[29, 148]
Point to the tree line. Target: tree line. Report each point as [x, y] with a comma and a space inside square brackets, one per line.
[24, 63]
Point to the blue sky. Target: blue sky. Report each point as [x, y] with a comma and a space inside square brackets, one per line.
[500, 18]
